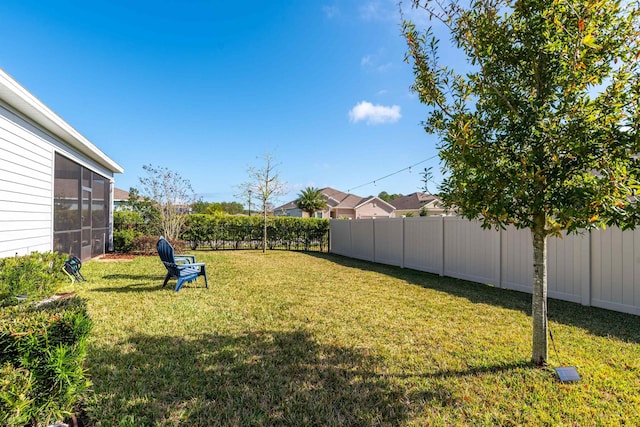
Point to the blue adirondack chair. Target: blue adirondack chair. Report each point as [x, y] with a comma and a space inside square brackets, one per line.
[182, 267]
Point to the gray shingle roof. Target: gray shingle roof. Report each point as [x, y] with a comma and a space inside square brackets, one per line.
[413, 201]
[119, 194]
[334, 197]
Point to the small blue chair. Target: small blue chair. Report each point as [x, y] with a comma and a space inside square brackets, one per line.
[182, 267]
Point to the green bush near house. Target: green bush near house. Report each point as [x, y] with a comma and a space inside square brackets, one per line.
[42, 361]
[123, 240]
[128, 225]
[35, 276]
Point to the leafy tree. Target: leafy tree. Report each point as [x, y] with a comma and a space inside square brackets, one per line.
[171, 196]
[541, 129]
[311, 200]
[266, 186]
[213, 208]
[199, 206]
[388, 197]
[232, 208]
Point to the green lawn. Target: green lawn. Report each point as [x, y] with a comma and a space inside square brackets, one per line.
[287, 338]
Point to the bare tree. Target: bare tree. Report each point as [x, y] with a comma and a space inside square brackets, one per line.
[265, 185]
[172, 194]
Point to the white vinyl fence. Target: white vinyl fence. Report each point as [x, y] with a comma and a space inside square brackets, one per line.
[598, 268]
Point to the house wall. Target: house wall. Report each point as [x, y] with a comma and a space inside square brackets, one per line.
[300, 214]
[343, 214]
[322, 214]
[26, 183]
[404, 212]
[374, 210]
[431, 211]
[289, 212]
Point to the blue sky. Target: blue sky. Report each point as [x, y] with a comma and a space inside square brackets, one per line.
[206, 88]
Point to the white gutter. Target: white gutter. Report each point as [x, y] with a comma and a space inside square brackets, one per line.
[24, 102]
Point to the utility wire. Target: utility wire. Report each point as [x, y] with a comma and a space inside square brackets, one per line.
[394, 173]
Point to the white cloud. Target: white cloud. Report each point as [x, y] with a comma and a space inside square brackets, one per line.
[374, 114]
[419, 16]
[377, 10]
[375, 61]
[384, 67]
[331, 11]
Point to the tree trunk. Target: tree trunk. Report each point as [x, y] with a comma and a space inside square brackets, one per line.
[539, 301]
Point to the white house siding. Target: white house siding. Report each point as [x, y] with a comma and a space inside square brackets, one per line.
[26, 185]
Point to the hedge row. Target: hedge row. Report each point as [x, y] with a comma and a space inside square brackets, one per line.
[42, 374]
[224, 231]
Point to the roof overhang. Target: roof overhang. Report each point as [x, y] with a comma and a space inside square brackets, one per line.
[24, 102]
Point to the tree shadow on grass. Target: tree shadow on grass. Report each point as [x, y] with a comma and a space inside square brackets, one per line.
[251, 378]
[597, 321]
[472, 371]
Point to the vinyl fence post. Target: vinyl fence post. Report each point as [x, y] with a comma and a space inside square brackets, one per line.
[499, 272]
[403, 246]
[586, 272]
[442, 235]
[373, 238]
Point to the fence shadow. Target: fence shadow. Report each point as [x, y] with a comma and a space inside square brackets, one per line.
[248, 378]
[597, 321]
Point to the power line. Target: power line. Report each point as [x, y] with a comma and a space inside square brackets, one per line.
[392, 174]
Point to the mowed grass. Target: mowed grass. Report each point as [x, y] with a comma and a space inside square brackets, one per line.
[287, 338]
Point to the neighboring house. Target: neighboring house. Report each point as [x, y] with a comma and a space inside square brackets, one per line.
[343, 205]
[120, 198]
[414, 203]
[56, 187]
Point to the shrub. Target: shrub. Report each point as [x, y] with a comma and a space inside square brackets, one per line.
[16, 396]
[37, 275]
[146, 245]
[42, 359]
[123, 240]
[242, 231]
[132, 220]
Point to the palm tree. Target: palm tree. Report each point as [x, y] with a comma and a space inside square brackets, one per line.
[311, 200]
